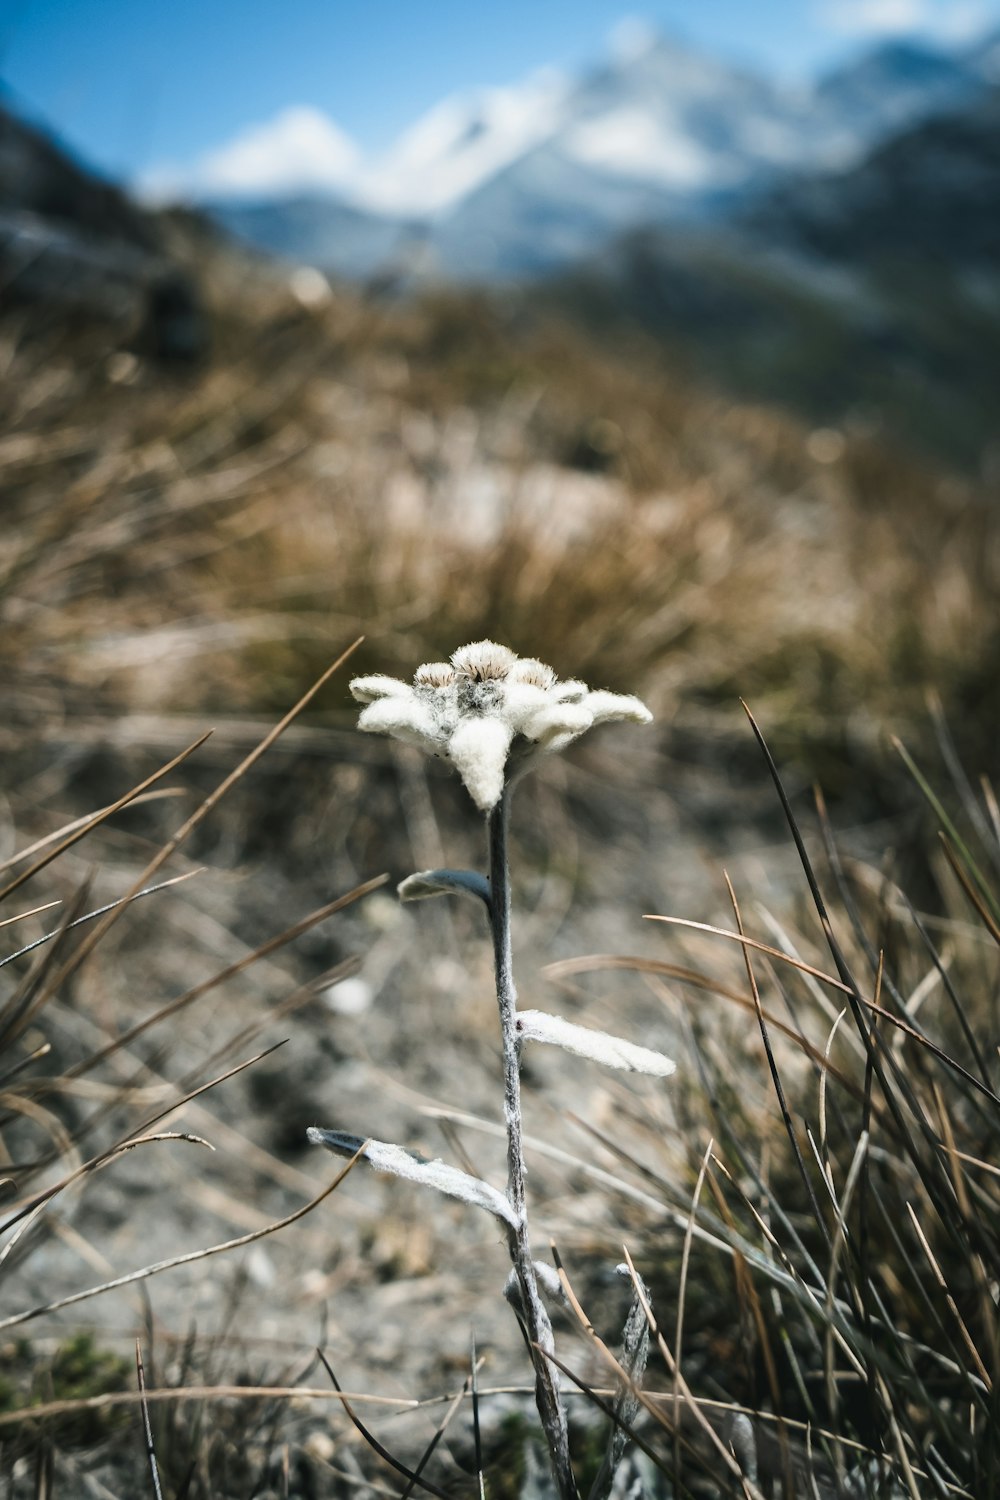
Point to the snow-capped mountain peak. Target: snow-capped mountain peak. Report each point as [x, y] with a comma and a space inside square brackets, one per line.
[666, 114]
[300, 150]
[462, 142]
[632, 142]
[504, 182]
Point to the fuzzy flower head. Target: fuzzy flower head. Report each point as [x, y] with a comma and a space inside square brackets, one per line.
[486, 709]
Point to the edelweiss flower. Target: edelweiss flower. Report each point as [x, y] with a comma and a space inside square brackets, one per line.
[485, 706]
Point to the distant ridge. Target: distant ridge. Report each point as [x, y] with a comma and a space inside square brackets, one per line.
[508, 183]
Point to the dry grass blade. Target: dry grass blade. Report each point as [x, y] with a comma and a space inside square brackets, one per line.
[645, 1399]
[760, 947]
[30, 1109]
[773, 1068]
[947, 825]
[136, 1137]
[85, 822]
[476, 1429]
[742, 1441]
[26, 1217]
[993, 807]
[867, 1293]
[586, 1168]
[470, 1383]
[953, 761]
[655, 967]
[199, 990]
[974, 1161]
[623, 1378]
[703, 1422]
[823, 1078]
[810, 1430]
[602, 1404]
[292, 1003]
[841, 1242]
[372, 1440]
[726, 1238]
[682, 1295]
[178, 1260]
[75, 1406]
[35, 911]
[84, 827]
[26, 1062]
[196, 818]
[843, 969]
[976, 899]
[952, 1304]
[29, 997]
[881, 1059]
[950, 990]
[844, 988]
[147, 1426]
[811, 1292]
[90, 916]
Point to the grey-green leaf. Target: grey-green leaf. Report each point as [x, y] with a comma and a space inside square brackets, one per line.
[598, 1046]
[427, 883]
[386, 1157]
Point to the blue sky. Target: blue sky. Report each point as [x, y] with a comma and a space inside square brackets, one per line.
[133, 84]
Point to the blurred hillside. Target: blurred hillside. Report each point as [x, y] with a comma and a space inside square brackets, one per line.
[189, 528]
[197, 534]
[831, 248]
[870, 295]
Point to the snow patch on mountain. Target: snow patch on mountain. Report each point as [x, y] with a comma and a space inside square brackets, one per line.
[301, 150]
[634, 143]
[509, 181]
[460, 143]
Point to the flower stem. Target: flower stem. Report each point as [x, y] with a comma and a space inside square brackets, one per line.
[537, 1323]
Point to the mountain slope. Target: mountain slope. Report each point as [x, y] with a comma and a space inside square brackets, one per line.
[508, 183]
[663, 135]
[897, 83]
[459, 144]
[316, 230]
[38, 177]
[70, 241]
[930, 192]
[870, 296]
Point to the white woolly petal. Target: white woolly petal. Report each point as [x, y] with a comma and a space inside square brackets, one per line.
[538, 1026]
[478, 749]
[367, 689]
[558, 742]
[520, 701]
[405, 719]
[386, 1157]
[570, 691]
[605, 707]
[562, 720]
